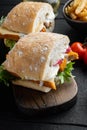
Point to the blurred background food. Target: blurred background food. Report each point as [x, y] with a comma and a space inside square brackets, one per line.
[75, 13]
[55, 4]
[77, 9]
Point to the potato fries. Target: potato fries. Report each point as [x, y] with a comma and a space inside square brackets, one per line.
[77, 9]
[75, 3]
[80, 7]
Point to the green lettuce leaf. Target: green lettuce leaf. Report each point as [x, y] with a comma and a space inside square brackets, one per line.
[2, 20]
[9, 43]
[66, 74]
[5, 76]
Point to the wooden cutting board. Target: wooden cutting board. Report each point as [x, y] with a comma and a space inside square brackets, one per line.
[33, 102]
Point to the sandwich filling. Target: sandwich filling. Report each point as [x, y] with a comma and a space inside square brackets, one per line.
[64, 74]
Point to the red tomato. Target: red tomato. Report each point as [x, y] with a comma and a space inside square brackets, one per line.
[85, 57]
[78, 47]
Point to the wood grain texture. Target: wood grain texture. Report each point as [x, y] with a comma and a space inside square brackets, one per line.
[38, 126]
[9, 2]
[30, 100]
[13, 2]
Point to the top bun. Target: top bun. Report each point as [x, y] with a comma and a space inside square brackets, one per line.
[34, 55]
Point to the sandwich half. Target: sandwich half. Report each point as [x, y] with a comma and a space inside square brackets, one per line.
[27, 17]
[40, 61]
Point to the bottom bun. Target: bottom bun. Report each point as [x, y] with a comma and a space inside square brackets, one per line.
[31, 85]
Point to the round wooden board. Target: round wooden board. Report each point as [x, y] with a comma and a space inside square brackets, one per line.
[33, 102]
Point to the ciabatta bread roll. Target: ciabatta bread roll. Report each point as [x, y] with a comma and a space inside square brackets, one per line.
[37, 58]
[27, 17]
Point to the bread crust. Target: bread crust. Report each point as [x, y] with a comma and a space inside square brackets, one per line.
[32, 55]
[27, 17]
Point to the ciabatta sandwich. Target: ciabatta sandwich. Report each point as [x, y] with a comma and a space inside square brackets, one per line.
[40, 61]
[27, 17]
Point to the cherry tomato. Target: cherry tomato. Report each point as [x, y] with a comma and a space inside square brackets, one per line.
[78, 47]
[85, 57]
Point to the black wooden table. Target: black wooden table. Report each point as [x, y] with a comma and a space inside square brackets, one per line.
[72, 119]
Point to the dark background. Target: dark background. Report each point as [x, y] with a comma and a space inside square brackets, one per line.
[73, 119]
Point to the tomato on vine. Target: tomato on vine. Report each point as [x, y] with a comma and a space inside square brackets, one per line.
[78, 47]
[81, 49]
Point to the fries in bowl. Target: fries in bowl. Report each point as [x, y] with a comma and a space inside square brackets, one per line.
[77, 10]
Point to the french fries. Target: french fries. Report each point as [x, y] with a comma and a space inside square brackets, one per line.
[77, 9]
[75, 3]
[80, 7]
